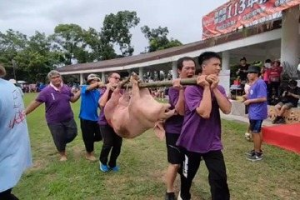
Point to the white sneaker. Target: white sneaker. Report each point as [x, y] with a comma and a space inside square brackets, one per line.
[179, 197]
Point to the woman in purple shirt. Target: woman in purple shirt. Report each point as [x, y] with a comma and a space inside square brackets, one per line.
[59, 115]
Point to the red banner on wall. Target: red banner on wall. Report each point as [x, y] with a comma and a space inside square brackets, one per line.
[238, 13]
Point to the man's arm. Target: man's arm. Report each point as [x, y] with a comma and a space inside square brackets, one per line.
[179, 106]
[94, 86]
[223, 102]
[32, 106]
[257, 100]
[104, 98]
[238, 71]
[297, 96]
[205, 106]
[75, 97]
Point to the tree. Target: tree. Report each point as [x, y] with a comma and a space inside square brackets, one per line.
[32, 57]
[115, 31]
[99, 48]
[11, 43]
[158, 39]
[68, 38]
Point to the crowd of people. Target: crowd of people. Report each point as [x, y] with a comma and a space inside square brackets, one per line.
[192, 134]
[283, 94]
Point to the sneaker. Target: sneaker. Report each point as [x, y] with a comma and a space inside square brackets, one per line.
[255, 157]
[275, 120]
[281, 121]
[179, 197]
[103, 168]
[252, 152]
[170, 196]
[115, 168]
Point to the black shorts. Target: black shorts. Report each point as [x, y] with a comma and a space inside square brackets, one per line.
[255, 126]
[174, 154]
[90, 130]
[63, 133]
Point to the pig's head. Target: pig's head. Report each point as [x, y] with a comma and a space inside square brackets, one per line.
[166, 112]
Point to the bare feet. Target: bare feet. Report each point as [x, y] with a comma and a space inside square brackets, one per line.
[90, 157]
[63, 158]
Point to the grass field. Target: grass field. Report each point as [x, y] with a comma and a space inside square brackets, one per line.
[143, 164]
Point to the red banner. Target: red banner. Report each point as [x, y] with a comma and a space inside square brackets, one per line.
[239, 13]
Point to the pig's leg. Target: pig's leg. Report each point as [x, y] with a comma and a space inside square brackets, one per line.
[112, 104]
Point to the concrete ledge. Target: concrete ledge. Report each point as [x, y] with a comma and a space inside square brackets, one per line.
[291, 116]
[238, 108]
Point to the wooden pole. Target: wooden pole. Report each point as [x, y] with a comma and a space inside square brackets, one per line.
[188, 81]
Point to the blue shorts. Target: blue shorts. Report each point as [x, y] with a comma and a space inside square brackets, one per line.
[255, 126]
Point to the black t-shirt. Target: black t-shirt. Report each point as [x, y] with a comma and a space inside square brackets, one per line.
[291, 99]
[243, 72]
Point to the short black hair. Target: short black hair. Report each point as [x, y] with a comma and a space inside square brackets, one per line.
[277, 61]
[268, 61]
[181, 60]
[293, 82]
[206, 56]
[243, 58]
[198, 71]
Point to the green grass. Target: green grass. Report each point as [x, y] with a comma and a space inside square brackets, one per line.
[143, 165]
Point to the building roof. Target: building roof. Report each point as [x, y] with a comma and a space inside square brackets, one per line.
[119, 62]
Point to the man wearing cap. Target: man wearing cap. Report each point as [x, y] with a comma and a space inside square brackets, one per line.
[257, 110]
[15, 156]
[59, 115]
[90, 96]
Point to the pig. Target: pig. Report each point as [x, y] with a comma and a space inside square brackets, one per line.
[130, 115]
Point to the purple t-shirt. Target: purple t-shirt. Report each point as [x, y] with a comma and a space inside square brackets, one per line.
[198, 134]
[102, 120]
[174, 123]
[57, 104]
[258, 111]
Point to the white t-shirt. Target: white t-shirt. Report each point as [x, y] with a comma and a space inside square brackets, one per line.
[15, 152]
[247, 88]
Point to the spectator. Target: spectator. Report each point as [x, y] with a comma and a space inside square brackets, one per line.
[242, 71]
[289, 99]
[15, 156]
[257, 110]
[274, 79]
[265, 71]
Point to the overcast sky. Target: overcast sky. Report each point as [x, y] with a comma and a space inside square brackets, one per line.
[182, 17]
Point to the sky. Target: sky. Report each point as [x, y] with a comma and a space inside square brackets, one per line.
[182, 17]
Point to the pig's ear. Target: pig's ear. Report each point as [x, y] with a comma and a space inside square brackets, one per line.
[159, 130]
